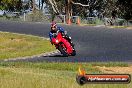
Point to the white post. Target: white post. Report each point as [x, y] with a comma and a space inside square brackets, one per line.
[24, 16]
[64, 19]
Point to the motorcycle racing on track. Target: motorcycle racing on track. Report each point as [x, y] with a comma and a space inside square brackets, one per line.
[61, 40]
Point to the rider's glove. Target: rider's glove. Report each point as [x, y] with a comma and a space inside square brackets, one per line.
[64, 33]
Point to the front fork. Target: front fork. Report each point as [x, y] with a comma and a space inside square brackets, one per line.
[56, 46]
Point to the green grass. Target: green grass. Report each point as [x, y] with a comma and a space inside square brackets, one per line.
[110, 64]
[16, 45]
[90, 67]
[51, 66]
[88, 24]
[118, 26]
[47, 75]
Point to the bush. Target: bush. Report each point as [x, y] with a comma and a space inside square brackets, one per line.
[36, 16]
[120, 22]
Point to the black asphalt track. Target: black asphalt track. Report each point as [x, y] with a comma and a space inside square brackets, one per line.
[93, 44]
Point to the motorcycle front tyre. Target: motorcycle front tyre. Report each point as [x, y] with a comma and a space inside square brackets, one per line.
[63, 51]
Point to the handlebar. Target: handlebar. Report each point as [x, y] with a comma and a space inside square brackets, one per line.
[55, 34]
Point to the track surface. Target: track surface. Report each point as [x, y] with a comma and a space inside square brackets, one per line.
[93, 44]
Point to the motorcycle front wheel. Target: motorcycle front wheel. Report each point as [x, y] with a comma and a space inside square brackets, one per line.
[63, 51]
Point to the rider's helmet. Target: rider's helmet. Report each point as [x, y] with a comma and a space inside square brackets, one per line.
[53, 27]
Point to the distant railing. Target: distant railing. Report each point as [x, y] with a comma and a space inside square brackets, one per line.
[41, 17]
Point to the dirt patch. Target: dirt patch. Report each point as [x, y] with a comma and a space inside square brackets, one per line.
[129, 27]
[127, 70]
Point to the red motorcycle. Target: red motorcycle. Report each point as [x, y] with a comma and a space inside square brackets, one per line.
[63, 45]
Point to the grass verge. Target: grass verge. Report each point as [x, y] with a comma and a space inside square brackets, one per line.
[118, 26]
[48, 75]
[18, 45]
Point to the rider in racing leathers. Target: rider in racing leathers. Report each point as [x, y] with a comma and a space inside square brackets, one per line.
[55, 28]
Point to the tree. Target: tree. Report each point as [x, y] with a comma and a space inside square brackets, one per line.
[125, 9]
[11, 5]
[83, 7]
[109, 8]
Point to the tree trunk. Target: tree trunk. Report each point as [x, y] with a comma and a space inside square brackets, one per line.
[33, 4]
[39, 4]
[68, 9]
[42, 2]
